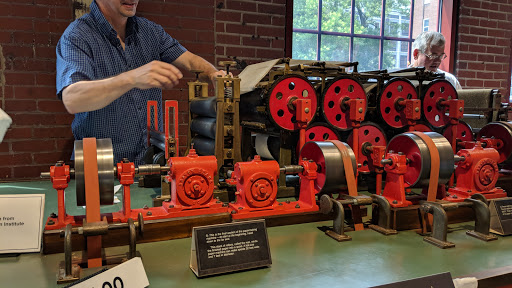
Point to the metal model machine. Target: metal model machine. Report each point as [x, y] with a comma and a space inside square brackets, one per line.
[309, 130]
[214, 121]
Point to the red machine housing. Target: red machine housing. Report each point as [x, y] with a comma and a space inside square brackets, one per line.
[192, 183]
[477, 173]
[256, 185]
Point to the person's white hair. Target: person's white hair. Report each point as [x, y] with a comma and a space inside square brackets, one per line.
[428, 39]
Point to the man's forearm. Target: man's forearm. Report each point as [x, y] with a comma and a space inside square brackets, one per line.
[189, 61]
[86, 96]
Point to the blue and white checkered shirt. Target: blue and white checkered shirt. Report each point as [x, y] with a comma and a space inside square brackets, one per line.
[89, 50]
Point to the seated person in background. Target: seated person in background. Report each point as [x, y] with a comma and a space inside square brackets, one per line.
[109, 64]
[428, 52]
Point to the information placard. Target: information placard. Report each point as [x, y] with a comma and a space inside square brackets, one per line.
[442, 280]
[501, 216]
[21, 223]
[130, 274]
[229, 247]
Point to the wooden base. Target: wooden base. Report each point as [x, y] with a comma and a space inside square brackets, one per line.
[409, 218]
[154, 230]
[160, 230]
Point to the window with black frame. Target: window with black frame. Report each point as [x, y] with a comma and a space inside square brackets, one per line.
[377, 34]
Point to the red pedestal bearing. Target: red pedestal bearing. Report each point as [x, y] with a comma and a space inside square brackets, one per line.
[370, 134]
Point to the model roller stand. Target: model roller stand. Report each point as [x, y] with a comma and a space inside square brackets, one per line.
[92, 158]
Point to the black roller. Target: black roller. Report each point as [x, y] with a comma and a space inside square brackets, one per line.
[204, 106]
[157, 143]
[204, 146]
[204, 126]
[160, 136]
[249, 103]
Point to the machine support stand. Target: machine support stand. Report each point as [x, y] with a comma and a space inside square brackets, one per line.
[70, 268]
[327, 204]
[482, 220]
[440, 225]
[383, 218]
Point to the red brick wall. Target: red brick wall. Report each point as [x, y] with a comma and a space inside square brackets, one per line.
[484, 41]
[40, 133]
[251, 30]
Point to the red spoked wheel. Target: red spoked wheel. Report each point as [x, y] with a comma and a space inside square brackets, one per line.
[436, 92]
[418, 155]
[503, 131]
[464, 132]
[319, 132]
[282, 94]
[423, 127]
[390, 102]
[335, 97]
[370, 134]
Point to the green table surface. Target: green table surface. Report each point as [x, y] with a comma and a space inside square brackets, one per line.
[302, 255]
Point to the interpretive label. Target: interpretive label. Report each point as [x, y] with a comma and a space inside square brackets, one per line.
[229, 247]
[21, 223]
[442, 280]
[130, 274]
[501, 216]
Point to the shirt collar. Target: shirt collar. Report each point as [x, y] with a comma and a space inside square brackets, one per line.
[105, 26]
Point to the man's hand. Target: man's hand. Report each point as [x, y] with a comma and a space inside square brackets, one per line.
[214, 75]
[156, 74]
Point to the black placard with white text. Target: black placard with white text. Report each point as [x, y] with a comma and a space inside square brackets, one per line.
[229, 247]
[501, 216]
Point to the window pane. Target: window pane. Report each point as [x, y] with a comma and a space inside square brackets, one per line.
[404, 46]
[334, 48]
[304, 46]
[398, 13]
[393, 57]
[367, 17]
[423, 12]
[366, 52]
[305, 14]
[336, 15]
